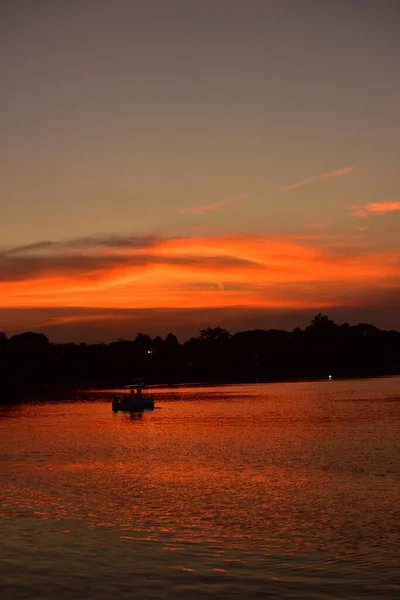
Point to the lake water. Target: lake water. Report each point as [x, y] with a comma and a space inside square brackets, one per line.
[286, 490]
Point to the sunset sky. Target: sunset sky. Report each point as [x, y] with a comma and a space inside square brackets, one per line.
[170, 165]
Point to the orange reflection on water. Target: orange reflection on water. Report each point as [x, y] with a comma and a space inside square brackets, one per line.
[245, 468]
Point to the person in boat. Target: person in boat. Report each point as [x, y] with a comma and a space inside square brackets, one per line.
[138, 393]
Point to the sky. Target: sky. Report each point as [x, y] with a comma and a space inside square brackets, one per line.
[171, 165]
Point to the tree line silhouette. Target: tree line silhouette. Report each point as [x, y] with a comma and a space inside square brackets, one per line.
[323, 348]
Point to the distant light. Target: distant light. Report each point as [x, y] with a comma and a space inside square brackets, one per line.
[330, 376]
[149, 351]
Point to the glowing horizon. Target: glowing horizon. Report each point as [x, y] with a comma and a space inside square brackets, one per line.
[267, 272]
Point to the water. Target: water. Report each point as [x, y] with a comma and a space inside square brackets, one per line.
[277, 490]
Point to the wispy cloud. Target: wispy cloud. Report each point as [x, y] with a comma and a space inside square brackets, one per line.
[203, 208]
[314, 178]
[375, 208]
[82, 243]
[194, 272]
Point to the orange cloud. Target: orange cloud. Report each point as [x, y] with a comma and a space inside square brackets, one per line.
[375, 208]
[203, 208]
[196, 272]
[85, 318]
[314, 178]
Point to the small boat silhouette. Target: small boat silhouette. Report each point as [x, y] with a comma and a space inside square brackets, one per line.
[134, 400]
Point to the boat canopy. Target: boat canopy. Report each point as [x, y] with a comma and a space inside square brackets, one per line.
[136, 383]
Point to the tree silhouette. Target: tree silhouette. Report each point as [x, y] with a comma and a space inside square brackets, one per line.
[143, 341]
[213, 334]
[321, 324]
[30, 341]
[320, 349]
[171, 341]
[3, 341]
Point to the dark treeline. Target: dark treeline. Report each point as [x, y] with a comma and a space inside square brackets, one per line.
[321, 349]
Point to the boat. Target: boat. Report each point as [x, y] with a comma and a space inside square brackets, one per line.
[133, 404]
[134, 399]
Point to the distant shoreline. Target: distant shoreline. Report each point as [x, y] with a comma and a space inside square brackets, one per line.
[53, 391]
